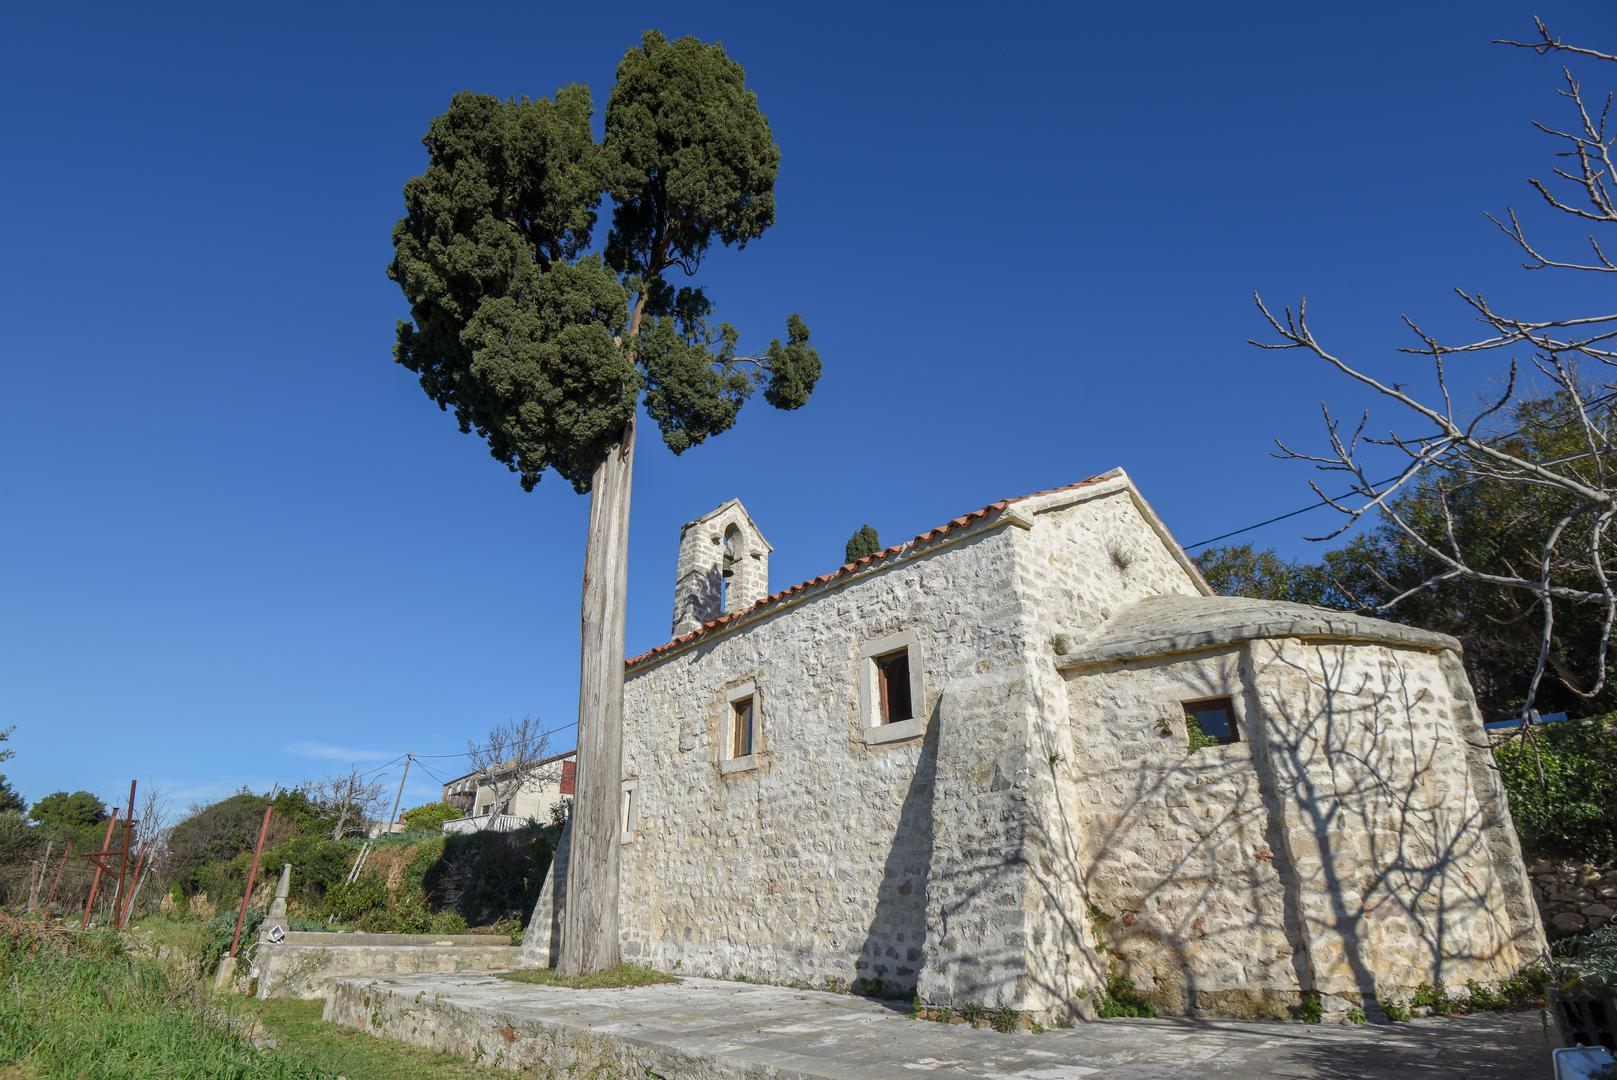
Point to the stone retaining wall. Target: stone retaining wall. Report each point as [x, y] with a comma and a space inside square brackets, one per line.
[1573, 897]
[305, 969]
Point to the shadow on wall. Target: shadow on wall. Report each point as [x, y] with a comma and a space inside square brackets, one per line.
[895, 945]
[1340, 849]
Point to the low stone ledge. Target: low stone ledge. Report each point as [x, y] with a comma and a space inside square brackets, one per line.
[297, 970]
[486, 1034]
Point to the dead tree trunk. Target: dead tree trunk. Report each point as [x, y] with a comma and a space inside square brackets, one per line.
[590, 923]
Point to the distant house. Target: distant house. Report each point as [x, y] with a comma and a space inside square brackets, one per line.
[476, 793]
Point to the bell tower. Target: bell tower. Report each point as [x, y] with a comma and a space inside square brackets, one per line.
[723, 567]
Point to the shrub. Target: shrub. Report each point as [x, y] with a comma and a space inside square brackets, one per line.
[1311, 1010]
[222, 928]
[487, 876]
[319, 864]
[1562, 785]
[353, 901]
[429, 816]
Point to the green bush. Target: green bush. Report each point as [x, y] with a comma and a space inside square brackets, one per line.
[1120, 997]
[487, 876]
[319, 863]
[353, 901]
[1562, 785]
[430, 816]
[222, 928]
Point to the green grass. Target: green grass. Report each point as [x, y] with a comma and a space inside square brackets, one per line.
[77, 1007]
[302, 1037]
[624, 975]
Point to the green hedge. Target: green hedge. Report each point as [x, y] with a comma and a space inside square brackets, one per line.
[1562, 784]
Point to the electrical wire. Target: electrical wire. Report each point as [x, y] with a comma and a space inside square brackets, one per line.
[1594, 402]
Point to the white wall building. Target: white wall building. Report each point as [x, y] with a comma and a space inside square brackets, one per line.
[1027, 750]
[478, 795]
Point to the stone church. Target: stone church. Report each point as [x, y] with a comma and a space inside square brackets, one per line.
[1029, 751]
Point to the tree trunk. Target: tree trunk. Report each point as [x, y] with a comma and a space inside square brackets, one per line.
[589, 940]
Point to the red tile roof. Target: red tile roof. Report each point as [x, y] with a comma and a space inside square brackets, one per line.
[950, 526]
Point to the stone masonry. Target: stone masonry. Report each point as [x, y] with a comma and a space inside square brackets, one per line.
[1039, 821]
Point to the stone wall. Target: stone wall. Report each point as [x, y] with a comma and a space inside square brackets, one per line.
[1574, 897]
[1343, 846]
[303, 965]
[813, 865]
[1353, 843]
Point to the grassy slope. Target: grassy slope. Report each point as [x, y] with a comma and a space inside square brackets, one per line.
[302, 1036]
[76, 1006]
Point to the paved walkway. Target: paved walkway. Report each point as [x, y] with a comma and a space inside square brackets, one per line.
[742, 1029]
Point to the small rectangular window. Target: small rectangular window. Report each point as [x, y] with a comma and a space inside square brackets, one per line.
[893, 687]
[741, 727]
[1211, 721]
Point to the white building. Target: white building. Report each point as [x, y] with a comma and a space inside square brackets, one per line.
[542, 797]
[1028, 751]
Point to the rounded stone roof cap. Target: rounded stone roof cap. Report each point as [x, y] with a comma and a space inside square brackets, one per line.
[1163, 625]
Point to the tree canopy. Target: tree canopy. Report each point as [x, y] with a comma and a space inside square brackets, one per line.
[525, 335]
[862, 544]
[70, 811]
[1503, 527]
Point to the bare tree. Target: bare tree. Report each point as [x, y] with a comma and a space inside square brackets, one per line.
[1458, 447]
[351, 800]
[510, 756]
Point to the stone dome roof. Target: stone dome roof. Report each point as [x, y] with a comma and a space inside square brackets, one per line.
[1164, 625]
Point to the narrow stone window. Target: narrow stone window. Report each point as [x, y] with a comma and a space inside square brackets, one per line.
[629, 811]
[893, 687]
[1211, 722]
[742, 716]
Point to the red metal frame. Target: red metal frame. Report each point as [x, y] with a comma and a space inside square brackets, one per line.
[252, 872]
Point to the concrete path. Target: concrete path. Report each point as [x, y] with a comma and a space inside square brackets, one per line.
[746, 1030]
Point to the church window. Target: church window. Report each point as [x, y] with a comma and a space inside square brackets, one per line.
[1213, 720]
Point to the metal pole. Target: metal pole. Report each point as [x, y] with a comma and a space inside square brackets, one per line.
[95, 882]
[395, 815]
[252, 872]
[57, 880]
[128, 908]
[123, 856]
[359, 861]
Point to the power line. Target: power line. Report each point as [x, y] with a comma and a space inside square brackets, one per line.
[1346, 494]
[477, 749]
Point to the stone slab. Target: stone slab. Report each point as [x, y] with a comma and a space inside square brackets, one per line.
[703, 1029]
[305, 970]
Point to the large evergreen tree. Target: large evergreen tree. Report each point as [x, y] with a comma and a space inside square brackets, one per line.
[546, 349]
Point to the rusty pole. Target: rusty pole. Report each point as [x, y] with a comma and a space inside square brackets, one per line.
[252, 872]
[95, 882]
[123, 856]
[129, 908]
[57, 880]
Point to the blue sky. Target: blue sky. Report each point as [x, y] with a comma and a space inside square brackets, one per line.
[240, 546]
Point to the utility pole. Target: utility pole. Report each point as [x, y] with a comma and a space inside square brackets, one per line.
[394, 816]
